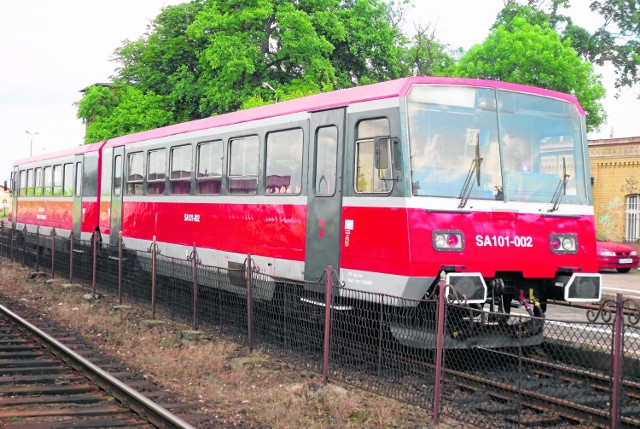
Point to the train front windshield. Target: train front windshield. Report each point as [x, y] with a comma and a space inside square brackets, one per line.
[521, 147]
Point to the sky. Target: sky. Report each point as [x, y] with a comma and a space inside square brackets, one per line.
[50, 51]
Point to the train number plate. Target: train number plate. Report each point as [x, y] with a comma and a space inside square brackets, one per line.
[625, 261]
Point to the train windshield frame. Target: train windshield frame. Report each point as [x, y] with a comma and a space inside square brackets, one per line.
[517, 146]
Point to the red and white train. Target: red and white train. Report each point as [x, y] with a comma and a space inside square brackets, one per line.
[389, 183]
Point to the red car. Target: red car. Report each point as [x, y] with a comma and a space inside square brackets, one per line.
[615, 255]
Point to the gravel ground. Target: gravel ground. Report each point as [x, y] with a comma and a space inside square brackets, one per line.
[235, 388]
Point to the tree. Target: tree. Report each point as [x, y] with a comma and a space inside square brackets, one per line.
[121, 110]
[620, 47]
[426, 56]
[616, 41]
[534, 54]
[208, 57]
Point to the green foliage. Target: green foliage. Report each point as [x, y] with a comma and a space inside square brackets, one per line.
[616, 41]
[621, 46]
[122, 110]
[208, 57]
[534, 54]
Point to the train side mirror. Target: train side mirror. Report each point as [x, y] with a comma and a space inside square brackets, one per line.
[382, 152]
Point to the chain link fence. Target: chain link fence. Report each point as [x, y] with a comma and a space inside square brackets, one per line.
[487, 369]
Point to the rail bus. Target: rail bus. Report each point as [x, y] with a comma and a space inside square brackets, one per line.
[391, 184]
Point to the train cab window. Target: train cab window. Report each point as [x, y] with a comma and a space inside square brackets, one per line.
[117, 175]
[181, 167]
[23, 183]
[78, 179]
[38, 189]
[57, 180]
[30, 183]
[371, 176]
[326, 160]
[135, 173]
[243, 165]
[209, 161]
[48, 181]
[67, 189]
[284, 162]
[156, 171]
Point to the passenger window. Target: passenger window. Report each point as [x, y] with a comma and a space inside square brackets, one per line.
[30, 182]
[156, 171]
[78, 179]
[23, 183]
[372, 177]
[117, 175]
[209, 160]
[68, 180]
[284, 162]
[48, 181]
[135, 173]
[57, 180]
[181, 166]
[326, 160]
[243, 165]
[38, 189]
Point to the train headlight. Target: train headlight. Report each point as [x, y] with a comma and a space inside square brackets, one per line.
[448, 241]
[563, 243]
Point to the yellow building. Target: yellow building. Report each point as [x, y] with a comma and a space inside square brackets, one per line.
[5, 201]
[615, 176]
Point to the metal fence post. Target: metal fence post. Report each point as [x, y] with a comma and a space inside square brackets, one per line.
[439, 348]
[153, 277]
[120, 268]
[37, 248]
[24, 246]
[195, 288]
[616, 361]
[327, 325]
[53, 252]
[95, 260]
[249, 272]
[13, 230]
[71, 257]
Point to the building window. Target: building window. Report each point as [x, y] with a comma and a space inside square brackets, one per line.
[632, 218]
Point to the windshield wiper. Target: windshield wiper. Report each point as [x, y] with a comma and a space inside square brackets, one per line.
[561, 189]
[476, 163]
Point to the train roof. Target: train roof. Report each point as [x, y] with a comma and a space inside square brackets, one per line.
[329, 100]
[75, 150]
[312, 103]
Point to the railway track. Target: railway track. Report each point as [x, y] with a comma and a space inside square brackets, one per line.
[45, 384]
[495, 388]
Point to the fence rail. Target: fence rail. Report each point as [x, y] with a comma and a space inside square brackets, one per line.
[395, 347]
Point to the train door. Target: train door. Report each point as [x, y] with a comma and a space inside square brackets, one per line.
[116, 194]
[324, 189]
[77, 198]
